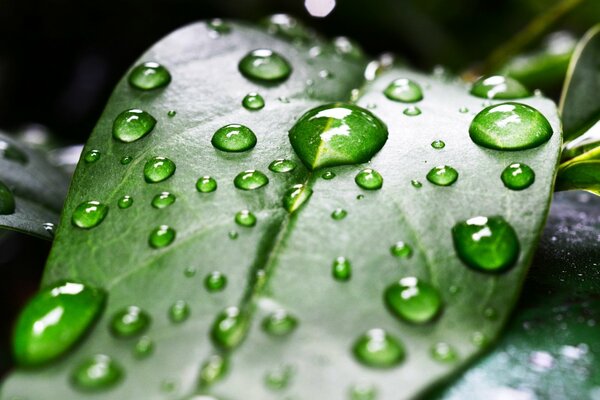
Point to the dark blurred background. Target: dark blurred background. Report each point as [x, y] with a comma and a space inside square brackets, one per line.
[59, 60]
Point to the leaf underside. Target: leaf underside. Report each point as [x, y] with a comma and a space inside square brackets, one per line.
[294, 251]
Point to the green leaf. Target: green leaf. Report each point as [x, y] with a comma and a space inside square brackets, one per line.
[285, 261]
[551, 345]
[579, 105]
[38, 188]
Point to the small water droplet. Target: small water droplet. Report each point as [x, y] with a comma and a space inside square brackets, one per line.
[161, 236]
[412, 111]
[341, 269]
[413, 300]
[132, 125]
[230, 328]
[487, 244]
[360, 197]
[490, 313]
[404, 90]
[415, 183]
[168, 385]
[149, 76]
[213, 370]
[89, 214]
[234, 138]
[347, 47]
[463, 110]
[98, 372]
[337, 134]
[376, 348]
[328, 175]
[206, 184]
[171, 113]
[325, 74]
[338, 214]
[499, 87]
[215, 282]
[163, 200]
[283, 99]
[438, 144]
[443, 175]
[443, 352]
[250, 180]
[479, 339]
[278, 378]
[143, 347]
[296, 196]
[233, 235]
[218, 27]
[126, 160]
[282, 165]
[189, 272]
[401, 250]
[245, 218]
[91, 156]
[279, 323]
[179, 311]
[49, 227]
[518, 176]
[125, 202]
[7, 200]
[10, 152]
[54, 320]
[369, 179]
[265, 65]
[510, 126]
[158, 169]
[363, 392]
[287, 27]
[253, 101]
[130, 321]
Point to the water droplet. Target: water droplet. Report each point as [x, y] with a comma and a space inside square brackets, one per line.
[233, 235]
[132, 125]
[363, 392]
[230, 328]
[149, 76]
[279, 323]
[463, 110]
[125, 202]
[206, 184]
[218, 27]
[490, 313]
[337, 134]
[54, 320]
[234, 138]
[130, 321]
[189, 272]
[376, 348]
[328, 175]
[404, 90]
[213, 370]
[413, 300]
[265, 65]
[341, 269]
[158, 169]
[163, 200]
[278, 378]
[89, 214]
[91, 156]
[171, 113]
[49, 227]
[12, 153]
[369, 179]
[295, 196]
[250, 180]
[510, 126]
[126, 160]
[161, 236]
[443, 175]
[415, 183]
[245, 218]
[143, 347]
[179, 311]
[96, 373]
[325, 74]
[360, 197]
[7, 200]
[479, 339]
[215, 282]
[443, 352]
[282, 165]
[338, 214]
[401, 250]
[517, 176]
[412, 111]
[499, 87]
[288, 27]
[347, 47]
[253, 101]
[438, 144]
[487, 244]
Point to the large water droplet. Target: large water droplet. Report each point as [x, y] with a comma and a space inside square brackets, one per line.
[148, 76]
[413, 300]
[337, 134]
[341, 269]
[54, 320]
[230, 328]
[163, 200]
[132, 125]
[376, 348]
[245, 218]
[518, 176]
[7, 200]
[215, 282]
[96, 373]
[499, 87]
[234, 138]
[510, 126]
[89, 214]
[250, 180]
[91, 156]
[206, 184]
[213, 370]
[487, 244]
[253, 101]
[404, 90]
[161, 236]
[130, 321]
[125, 202]
[158, 169]
[369, 179]
[295, 196]
[279, 323]
[265, 65]
[443, 175]
[282, 165]
[179, 311]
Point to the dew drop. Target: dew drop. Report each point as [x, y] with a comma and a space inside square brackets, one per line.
[125, 202]
[479, 339]
[245, 218]
[163, 200]
[253, 101]
[10, 152]
[463, 110]
[206, 184]
[158, 169]
[7, 200]
[401, 250]
[132, 125]
[404, 90]
[143, 347]
[341, 269]
[412, 111]
[189, 272]
[443, 352]
[278, 378]
[443, 175]
[265, 66]
[91, 156]
[416, 184]
[233, 235]
[213, 370]
[438, 144]
[98, 372]
[295, 196]
[234, 138]
[126, 160]
[363, 392]
[499, 87]
[328, 175]
[376, 348]
[230, 328]
[218, 27]
[179, 311]
[288, 27]
[149, 76]
[347, 47]
[215, 282]
[279, 323]
[518, 176]
[369, 179]
[413, 300]
[282, 165]
[161, 236]
[339, 214]
[89, 214]
[130, 321]
[250, 180]
[171, 113]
